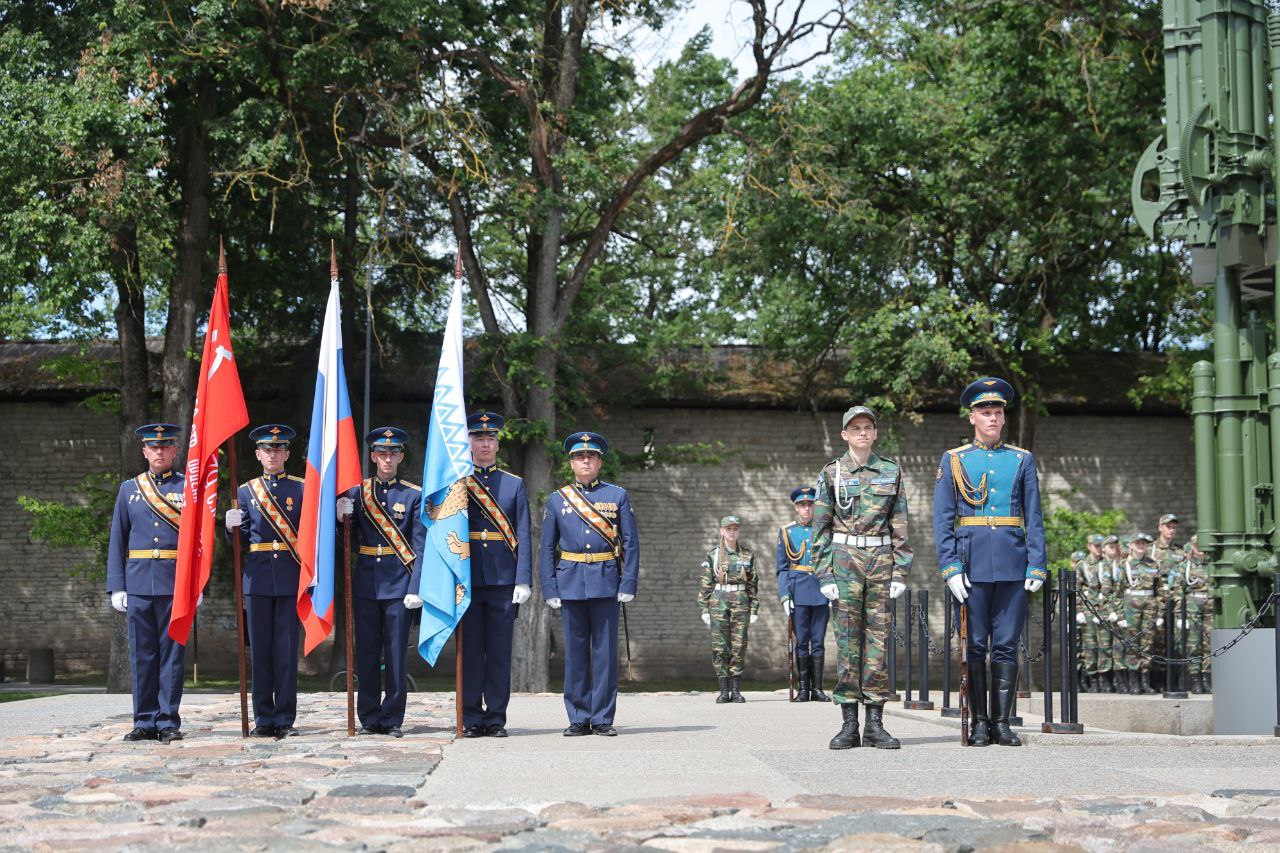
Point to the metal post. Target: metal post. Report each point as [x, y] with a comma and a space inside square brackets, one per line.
[1171, 670]
[1024, 647]
[906, 636]
[922, 703]
[947, 621]
[1184, 671]
[1074, 693]
[1067, 663]
[891, 657]
[1047, 605]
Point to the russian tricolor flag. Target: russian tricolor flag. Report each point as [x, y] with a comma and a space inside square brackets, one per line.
[333, 467]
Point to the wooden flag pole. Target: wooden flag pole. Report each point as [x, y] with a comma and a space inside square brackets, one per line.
[351, 660]
[457, 681]
[235, 550]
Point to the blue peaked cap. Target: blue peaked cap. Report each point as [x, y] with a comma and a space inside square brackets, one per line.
[577, 442]
[484, 423]
[387, 438]
[987, 391]
[278, 435]
[158, 435]
[803, 493]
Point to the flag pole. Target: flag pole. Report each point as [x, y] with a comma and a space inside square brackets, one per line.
[235, 550]
[346, 570]
[457, 634]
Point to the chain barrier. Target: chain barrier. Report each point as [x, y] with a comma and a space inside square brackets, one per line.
[923, 621]
[1270, 602]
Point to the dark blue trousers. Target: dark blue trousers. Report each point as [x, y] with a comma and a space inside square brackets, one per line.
[590, 660]
[156, 661]
[273, 648]
[997, 612]
[488, 627]
[811, 629]
[382, 633]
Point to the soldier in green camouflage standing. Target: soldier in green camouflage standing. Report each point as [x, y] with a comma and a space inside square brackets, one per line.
[1142, 595]
[861, 555]
[1086, 639]
[728, 596]
[1110, 605]
[1195, 579]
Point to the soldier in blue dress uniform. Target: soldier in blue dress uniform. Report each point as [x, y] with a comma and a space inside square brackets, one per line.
[501, 580]
[589, 562]
[991, 551]
[389, 538]
[268, 528]
[803, 603]
[141, 562]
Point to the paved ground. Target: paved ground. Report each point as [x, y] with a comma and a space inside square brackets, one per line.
[684, 774]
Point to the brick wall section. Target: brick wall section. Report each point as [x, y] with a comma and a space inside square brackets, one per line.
[1142, 465]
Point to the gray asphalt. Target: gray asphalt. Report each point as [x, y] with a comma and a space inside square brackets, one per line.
[678, 745]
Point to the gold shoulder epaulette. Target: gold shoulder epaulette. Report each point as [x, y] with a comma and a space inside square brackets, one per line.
[297, 479]
[1017, 449]
[413, 486]
[509, 474]
[961, 447]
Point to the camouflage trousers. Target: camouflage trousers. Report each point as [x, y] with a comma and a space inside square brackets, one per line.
[861, 616]
[1141, 613]
[1199, 631]
[1087, 644]
[730, 615]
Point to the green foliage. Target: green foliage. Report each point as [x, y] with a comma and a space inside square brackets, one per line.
[85, 525]
[1067, 531]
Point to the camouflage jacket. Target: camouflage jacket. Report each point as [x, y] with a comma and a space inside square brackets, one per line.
[733, 567]
[1142, 574]
[867, 500]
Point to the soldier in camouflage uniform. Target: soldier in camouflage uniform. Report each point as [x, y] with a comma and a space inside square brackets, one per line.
[1168, 557]
[861, 555]
[1196, 581]
[728, 596]
[1109, 596]
[1142, 594]
[1086, 642]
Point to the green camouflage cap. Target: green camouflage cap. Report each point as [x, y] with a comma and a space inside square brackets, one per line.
[1168, 517]
[1097, 539]
[730, 519]
[1140, 536]
[855, 412]
[1112, 539]
[1077, 556]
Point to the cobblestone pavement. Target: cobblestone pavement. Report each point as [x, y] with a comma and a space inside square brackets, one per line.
[80, 787]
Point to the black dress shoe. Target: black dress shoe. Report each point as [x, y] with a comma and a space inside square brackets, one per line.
[169, 735]
[263, 731]
[577, 730]
[393, 731]
[604, 729]
[141, 734]
[475, 730]
[496, 730]
[283, 732]
[371, 730]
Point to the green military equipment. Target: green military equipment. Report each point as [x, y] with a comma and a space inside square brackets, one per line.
[1209, 181]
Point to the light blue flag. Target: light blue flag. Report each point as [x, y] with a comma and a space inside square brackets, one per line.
[445, 580]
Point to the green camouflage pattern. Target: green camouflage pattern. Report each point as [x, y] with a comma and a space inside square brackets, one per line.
[867, 500]
[1141, 611]
[1193, 577]
[730, 610]
[1089, 643]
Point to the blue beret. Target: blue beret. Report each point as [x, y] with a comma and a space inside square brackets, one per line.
[484, 423]
[387, 438]
[988, 391]
[579, 441]
[158, 435]
[804, 493]
[277, 435]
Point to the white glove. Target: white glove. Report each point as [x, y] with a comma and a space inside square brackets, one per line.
[829, 591]
[120, 601]
[896, 589]
[235, 517]
[199, 599]
[1177, 623]
[1113, 617]
[754, 617]
[344, 507]
[959, 584]
[1095, 621]
[553, 603]
[1080, 619]
[1123, 623]
[1032, 584]
[788, 607]
[521, 593]
[1160, 622]
[706, 619]
[624, 597]
[412, 602]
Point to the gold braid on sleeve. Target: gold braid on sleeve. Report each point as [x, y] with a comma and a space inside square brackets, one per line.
[974, 496]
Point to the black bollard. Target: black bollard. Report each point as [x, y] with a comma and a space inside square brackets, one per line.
[1024, 649]
[891, 656]
[1067, 660]
[906, 638]
[947, 621]
[1046, 604]
[1172, 671]
[922, 702]
[1184, 671]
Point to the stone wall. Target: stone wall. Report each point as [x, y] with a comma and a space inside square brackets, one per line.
[1142, 465]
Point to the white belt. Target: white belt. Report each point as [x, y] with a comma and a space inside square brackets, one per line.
[1139, 592]
[859, 541]
[731, 587]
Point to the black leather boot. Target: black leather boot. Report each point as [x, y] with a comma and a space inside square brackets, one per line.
[804, 667]
[1004, 682]
[1133, 682]
[1197, 684]
[979, 721]
[735, 695]
[847, 737]
[1104, 682]
[724, 690]
[1083, 684]
[1146, 682]
[1208, 682]
[873, 733]
[816, 670]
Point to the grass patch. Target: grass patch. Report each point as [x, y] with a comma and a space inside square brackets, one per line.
[19, 695]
